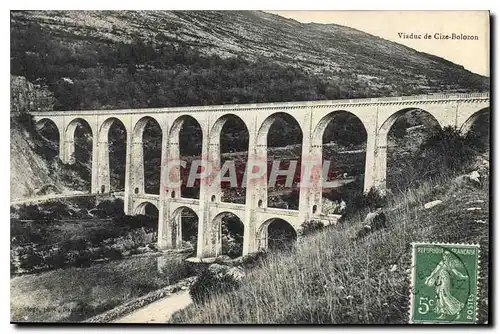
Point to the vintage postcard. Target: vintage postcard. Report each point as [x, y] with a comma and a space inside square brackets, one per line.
[250, 167]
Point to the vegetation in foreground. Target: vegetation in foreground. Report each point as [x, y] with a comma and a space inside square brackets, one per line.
[336, 276]
[328, 278]
[76, 294]
[76, 232]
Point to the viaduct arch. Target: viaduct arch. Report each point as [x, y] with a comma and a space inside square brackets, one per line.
[383, 135]
[141, 207]
[376, 114]
[48, 124]
[137, 178]
[264, 235]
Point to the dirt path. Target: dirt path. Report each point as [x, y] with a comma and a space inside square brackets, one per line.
[159, 311]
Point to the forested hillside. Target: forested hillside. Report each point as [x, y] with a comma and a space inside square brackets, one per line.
[125, 59]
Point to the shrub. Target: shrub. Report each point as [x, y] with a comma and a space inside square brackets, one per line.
[25, 120]
[26, 232]
[56, 260]
[224, 260]
[253, 259]
[30, 261]
[216, 279]
[449, 149]
[111, 208]
[112, 254]
[30, 212]
[232, 236]
[139, 237]
[441, 153]
[231, 246]
[149, 223]
[373, 199]
[281, 236]
[193, 241]
[190, 230]
[73, 244]
[310, 227]
[83, 259]
[97, 235]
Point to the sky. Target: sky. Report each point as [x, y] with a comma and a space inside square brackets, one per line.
[472, 54]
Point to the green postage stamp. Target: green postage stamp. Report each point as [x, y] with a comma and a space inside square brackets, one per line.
[444, 283]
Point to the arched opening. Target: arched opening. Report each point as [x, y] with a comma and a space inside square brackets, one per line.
[79, 133]
[48, 143]
[186, 228]
[147, 216]
[148, 209]
[277, 234]
[343, 146]
[147, 139]
[283, 137]
[213, 198]
[315, 208]
[172, 194]
[116, 134]
[260, 203]
[405, 134]
[231, 133]
[477, 130]
[136, 190]
[185, 140]
[230, 230]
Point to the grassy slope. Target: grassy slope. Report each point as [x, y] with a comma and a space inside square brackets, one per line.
[331, 279]
[75, 294]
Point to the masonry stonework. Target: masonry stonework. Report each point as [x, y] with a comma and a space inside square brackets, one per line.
[376, 114]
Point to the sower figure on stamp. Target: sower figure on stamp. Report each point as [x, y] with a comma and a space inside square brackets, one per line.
[442, 277]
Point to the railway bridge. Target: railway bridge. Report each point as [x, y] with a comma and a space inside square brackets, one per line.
[376, 114]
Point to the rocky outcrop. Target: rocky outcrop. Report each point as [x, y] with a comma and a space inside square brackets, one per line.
[432, 204]
[26, 96]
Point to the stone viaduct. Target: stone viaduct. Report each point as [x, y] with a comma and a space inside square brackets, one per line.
[376, 114]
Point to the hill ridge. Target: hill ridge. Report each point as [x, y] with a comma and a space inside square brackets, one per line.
[352, 62]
